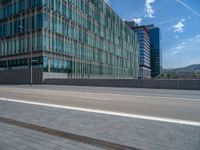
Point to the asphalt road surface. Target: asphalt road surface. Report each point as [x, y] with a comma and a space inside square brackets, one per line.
[173, 104]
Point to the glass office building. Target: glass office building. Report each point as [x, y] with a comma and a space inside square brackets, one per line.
[68, 38]
[150, 58]
[156, 53]
[144, 54]
[144, 49]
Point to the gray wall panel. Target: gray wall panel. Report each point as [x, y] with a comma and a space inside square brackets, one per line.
[132, 83]
[21, 76]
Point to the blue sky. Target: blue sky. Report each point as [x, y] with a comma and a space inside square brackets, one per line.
[179, 21]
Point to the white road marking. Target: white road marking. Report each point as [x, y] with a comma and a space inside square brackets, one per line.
[153, 118]
[105, 95]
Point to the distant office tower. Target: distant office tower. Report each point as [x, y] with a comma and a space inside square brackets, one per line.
[148, 35]
[68, 38]
[144, 53]
[156, 53]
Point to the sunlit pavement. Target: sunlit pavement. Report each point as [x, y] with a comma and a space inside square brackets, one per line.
[173, 132]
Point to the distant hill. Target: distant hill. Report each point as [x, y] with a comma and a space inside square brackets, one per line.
[189, 72]
[191, 68]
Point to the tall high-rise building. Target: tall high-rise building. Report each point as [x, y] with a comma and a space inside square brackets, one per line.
[156, 52]
[144, 52]
[67, 38]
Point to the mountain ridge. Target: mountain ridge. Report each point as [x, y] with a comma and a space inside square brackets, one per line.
[190, 68]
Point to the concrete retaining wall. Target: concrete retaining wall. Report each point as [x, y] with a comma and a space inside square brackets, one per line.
[21, 76]
[131, 83]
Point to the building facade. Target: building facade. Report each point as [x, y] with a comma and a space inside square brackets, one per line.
[144, 54]
[144, 49]
[68, 39]
[156, 52]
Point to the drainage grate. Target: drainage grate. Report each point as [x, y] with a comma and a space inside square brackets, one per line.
[69, 136]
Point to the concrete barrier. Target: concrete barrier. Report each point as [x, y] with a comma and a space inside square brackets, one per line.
[130, 83]
[21, 76]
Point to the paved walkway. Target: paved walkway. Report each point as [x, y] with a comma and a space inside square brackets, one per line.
[137, 133]
[16, 138]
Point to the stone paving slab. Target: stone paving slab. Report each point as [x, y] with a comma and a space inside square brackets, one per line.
[16, 138]
[138, 133]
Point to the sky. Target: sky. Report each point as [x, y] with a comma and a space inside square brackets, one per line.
[179, 21]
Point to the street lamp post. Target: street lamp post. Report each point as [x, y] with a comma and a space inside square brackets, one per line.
[31, 56]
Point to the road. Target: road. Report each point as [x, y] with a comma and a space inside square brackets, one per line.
[173, 104]
[70, 117]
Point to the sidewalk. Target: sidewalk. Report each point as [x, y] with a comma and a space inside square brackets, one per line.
[16, 138]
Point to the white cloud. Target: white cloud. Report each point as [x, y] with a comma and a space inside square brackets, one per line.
[137, 20]
[179, 27]
[179, 47]
[176, 36]
[148, 8]
[191, 40]
[198, 36]
[175, 52]
[182, 20]
[188, 7]
[187, 55]
[184, 43]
